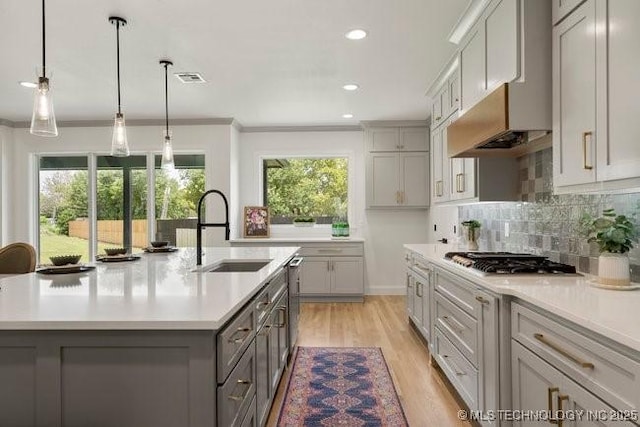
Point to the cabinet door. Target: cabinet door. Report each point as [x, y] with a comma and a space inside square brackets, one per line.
[472, 69]
[384, 185]
[426, 301]
[414, 139]
[535, 383]
[488, 352]
[445, 101]
[501, 28]
[347, 275]
[574, 97]
[561, 8]
[578, 400]
[436, 111]
[283, 330]
[440, 166]
[386, 139]
[274, 352]
[263, 376]
[463, 178]
[415, 179]
[619, 139]
[454, 93]
[315, 276]
[410, 294]
[419, 286]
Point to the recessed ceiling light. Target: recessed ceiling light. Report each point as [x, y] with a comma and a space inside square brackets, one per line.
[30, 85]
[351, 87]
[356, 34]
[347, 116]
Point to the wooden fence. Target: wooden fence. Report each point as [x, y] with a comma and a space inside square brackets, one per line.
[110, 231]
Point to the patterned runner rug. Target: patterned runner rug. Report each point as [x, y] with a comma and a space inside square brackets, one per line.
[332, 386]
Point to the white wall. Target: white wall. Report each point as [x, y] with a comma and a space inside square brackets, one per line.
[20, 187]
[444, 218]
[384, 231]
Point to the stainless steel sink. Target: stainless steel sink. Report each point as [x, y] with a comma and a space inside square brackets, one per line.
[239, 266]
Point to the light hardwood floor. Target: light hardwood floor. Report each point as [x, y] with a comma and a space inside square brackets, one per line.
[381, 321]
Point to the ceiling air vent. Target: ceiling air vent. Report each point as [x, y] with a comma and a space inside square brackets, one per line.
[185, 77]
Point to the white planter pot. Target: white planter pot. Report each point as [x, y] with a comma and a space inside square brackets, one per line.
[613, 269]
[304, 224]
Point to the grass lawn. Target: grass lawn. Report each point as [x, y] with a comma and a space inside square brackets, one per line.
[56, 244]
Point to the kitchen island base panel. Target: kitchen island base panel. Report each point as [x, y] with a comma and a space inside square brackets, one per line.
[127, 378]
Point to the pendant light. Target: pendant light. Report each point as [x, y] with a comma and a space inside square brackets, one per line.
[119, 143]
[167, 150]
[43, 120]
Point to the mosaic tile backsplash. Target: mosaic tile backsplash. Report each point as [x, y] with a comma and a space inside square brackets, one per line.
[548, 224]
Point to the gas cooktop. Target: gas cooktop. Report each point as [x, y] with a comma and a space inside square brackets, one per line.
[508, 263]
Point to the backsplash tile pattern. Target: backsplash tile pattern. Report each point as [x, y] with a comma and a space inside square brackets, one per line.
[548, 224]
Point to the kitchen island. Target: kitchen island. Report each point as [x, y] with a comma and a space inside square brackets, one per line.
[144, 343]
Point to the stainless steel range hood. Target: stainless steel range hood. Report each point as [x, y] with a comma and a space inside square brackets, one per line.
[505, 123]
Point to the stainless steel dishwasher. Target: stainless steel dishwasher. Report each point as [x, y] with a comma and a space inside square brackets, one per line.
[295, 276]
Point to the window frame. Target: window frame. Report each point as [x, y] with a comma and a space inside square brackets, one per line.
[92, 175]
[287, 154]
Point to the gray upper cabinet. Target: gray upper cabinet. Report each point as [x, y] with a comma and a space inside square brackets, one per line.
[397, 167]
[501, 28]
[595, 90]
[472, 69]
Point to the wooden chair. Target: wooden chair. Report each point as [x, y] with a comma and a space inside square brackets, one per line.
[17, 258]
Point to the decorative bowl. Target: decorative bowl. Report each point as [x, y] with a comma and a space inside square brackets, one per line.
[115, 251]
[65, 259]
[159, 243]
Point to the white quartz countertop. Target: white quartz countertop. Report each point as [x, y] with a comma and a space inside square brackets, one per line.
[612, 313]
[327, 239]
[158, 291]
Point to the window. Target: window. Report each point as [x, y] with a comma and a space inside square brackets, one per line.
[309, 187]
[122, 203]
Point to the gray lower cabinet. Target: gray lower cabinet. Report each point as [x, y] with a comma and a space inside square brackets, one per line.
[558, 367]
[149, 378]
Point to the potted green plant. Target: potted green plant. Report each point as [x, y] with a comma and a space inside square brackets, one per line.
[304, 221]
[615, 235]
[472, 232]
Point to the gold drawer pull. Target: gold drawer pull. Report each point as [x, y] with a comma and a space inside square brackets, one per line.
[262, 304]
[563, 352]
[458, 372]
[561, 397]
[419, 290]
[283, 310]
[550, 392]
[481, 300]
[243, 338]
[584, 150]
[242, 397]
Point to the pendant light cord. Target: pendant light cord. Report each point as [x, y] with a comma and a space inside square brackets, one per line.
[166, 96]
[44, 49]
[118, 61]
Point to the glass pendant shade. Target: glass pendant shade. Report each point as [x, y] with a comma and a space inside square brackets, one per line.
[119, 143]
[43, 120]
[167, 153]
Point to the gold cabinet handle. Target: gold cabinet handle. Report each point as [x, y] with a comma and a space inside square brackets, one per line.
[421, 268]
[561, 397]
[481, 300]
[462, 183]
[438, 118]
[243, 338]
[439, 186]
[262, 305]
[240, 398]
[584, 150]
[459, 372]
[550, 392]
[283, 310]
[563, 352]
[419, 289]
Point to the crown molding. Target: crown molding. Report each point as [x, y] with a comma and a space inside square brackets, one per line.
[139, 122]
[443, 76]
[395, 123]
[336, 128]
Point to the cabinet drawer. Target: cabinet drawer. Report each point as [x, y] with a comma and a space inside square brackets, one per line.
[460, 372]
[250, 419]
[233, 339]
[458, 291]
[264, 302]
[603, 371]
[332, 250]
[458, 326]
[237, 393]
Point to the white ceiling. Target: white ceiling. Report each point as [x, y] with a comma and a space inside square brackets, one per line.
[267, 62]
